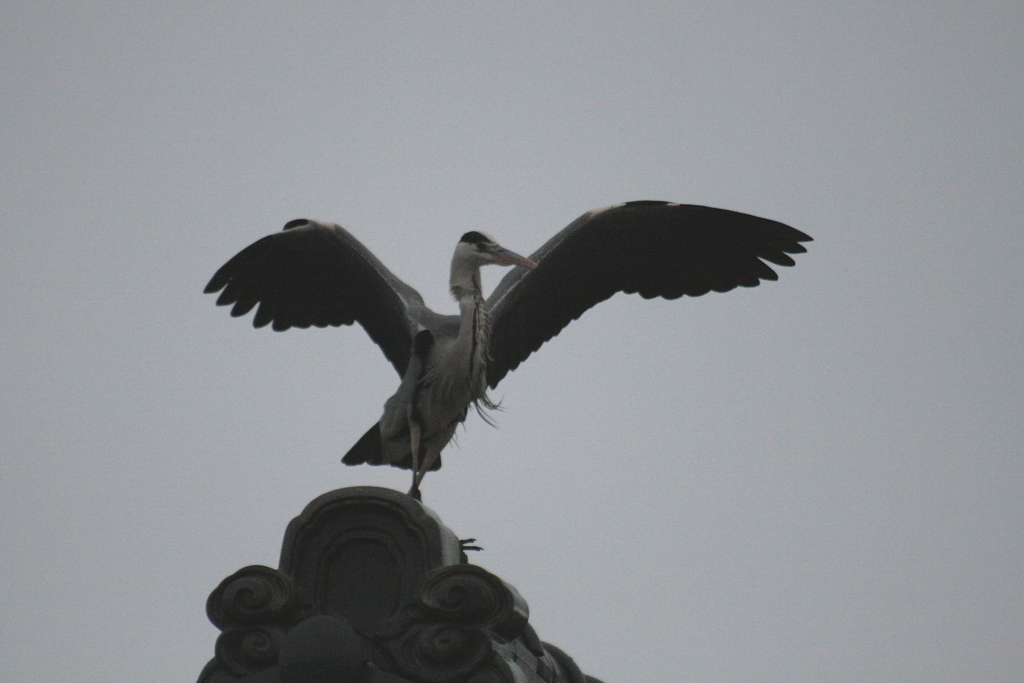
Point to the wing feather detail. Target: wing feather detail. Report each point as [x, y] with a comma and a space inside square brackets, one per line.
[314, 274]
[650, 248]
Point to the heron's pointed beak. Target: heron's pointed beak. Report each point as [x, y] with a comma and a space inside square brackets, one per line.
[504, 257]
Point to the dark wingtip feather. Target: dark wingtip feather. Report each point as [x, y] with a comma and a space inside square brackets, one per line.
[243, 306]
[226, 298]
[217, 282]
[367, 449]
[262, 317]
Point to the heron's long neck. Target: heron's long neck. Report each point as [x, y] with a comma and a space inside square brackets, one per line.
[465, 280]
[474, 324]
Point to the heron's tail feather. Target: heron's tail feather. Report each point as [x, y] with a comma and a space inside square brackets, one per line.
[406, 463]
[367, 449]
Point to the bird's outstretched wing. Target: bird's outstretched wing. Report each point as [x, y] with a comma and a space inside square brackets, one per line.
[647, 247]
[319, 274]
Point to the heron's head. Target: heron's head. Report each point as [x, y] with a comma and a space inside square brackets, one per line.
[477, 249]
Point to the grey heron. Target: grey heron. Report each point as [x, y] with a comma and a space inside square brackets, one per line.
[318, 274]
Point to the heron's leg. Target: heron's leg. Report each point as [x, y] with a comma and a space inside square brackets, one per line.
[428, 461]
[414, 441]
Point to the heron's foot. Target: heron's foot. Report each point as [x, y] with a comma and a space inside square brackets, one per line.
[414, 492]
[467, 544]
[414, 443]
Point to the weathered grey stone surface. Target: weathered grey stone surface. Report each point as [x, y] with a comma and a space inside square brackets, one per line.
[373, 588]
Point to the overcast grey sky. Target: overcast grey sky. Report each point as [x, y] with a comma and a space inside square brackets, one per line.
[818, 479]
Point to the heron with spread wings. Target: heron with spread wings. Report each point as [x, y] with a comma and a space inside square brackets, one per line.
[318, 274]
